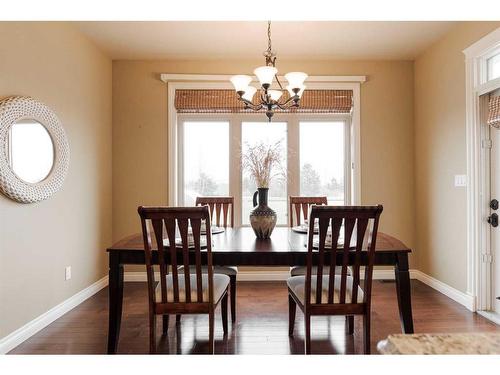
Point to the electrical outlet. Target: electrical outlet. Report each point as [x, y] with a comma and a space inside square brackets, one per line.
[67, 274]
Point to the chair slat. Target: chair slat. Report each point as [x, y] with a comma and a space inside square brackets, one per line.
[348, 228]
[183, 230]
[170, 225]
[158, 230]
[361, 226]
[196, 228]
[336, 225]
[218, 207]
[225, 207]
[323, 229]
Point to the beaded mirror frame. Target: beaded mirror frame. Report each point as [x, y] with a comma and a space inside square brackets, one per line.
[12, 110]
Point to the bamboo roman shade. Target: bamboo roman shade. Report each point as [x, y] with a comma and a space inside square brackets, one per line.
[226, 101]
[494, 112]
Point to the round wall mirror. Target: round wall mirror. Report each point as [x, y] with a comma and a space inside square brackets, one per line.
[34, 150]
[31, 151]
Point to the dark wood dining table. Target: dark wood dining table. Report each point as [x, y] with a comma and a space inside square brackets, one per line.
[239, 247]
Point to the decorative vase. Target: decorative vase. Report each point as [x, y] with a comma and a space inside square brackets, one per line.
[262, 218]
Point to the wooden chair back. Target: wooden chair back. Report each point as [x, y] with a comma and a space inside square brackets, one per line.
[298, 204]
[166, 220]
[218, 205]
[360, 222]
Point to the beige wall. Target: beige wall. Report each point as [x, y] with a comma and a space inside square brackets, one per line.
[54, 64]
[140, 134]
[440, 153]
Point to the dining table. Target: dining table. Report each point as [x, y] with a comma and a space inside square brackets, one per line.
[240, 247]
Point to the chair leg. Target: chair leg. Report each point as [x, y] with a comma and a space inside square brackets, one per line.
[307, 323]
[292, 307]
[366, 333]
[152, 333]
[178, 318]
[232, 284]
[224, 313]
[165, 324]
[211, 346]
[349, 321]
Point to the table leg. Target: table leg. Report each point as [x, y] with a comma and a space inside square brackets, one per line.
[115, 301]
[403, 290]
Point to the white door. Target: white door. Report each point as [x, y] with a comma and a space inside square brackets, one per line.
[494, 219]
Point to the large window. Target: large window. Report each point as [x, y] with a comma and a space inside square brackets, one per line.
[253, 133]
[205, 161]
[316, 158]
[322, 164]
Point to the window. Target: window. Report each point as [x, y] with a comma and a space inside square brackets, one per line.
[251, 134]
[493, 66]
[205, 160]
[316, 156]
[323, 172]
[208, 129]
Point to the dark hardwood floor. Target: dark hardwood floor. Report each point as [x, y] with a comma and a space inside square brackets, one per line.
[261, 326]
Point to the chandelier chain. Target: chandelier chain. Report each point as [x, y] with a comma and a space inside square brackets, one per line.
[269, 49]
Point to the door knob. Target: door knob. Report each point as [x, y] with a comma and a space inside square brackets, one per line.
[493, 220]
[494, 204]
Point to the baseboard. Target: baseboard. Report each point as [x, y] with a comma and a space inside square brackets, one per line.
[462, 298]
[490, 315]
[25, 332]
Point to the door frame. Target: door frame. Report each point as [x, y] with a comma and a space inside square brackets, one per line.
[478, 173]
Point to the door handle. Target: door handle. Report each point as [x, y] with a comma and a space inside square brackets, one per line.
[493, 220]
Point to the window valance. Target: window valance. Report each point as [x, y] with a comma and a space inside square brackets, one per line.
[494, 112]
[226, 101]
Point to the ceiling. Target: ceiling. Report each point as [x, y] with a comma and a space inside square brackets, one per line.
[238, 40]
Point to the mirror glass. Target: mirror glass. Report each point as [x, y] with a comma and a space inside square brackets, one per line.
[31, 151]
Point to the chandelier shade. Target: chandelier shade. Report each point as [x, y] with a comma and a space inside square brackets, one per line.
[240, 82]
[295, 79]
[275, 94]
[265, 74]
[249, 93]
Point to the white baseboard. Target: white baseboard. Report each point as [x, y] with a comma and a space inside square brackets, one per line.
[490, 315]
[462, 298]
[9, 342]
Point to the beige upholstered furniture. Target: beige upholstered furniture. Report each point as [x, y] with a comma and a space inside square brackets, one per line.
[326, 293]
[181, 292]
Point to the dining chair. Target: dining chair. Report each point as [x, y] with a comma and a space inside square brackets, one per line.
[303, 204]
[298, 206]
[181, 292]
[222, 214]
[328, 293]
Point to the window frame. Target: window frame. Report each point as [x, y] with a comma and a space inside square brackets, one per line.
[190, 81]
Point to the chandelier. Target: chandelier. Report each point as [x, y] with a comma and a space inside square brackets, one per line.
[269, 99]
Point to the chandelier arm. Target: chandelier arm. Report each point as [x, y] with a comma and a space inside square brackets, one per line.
[249, 104]
[294, 98]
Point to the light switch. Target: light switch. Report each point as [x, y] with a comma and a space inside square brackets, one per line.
[460, 180]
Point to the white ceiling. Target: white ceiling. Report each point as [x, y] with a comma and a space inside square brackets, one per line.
[235, 40]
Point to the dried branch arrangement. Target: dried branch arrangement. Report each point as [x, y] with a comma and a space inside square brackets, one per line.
[263, 162]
